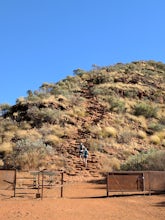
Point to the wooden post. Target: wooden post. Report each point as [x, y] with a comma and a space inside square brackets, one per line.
[38, 183]
[149, 175]
[42, 189]
[62, 182]
[107, 178]
[15, 182]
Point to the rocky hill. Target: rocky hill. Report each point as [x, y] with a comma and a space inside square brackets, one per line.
[115, 111]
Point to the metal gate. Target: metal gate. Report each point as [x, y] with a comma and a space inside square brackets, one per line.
[136, 181]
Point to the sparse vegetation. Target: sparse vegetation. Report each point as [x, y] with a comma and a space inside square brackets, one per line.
[116, 110]
[151, 160]
[147, 110]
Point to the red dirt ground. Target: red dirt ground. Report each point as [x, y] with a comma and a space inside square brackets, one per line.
[81, 201]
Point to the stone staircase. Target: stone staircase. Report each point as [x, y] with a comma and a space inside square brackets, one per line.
[79, 169]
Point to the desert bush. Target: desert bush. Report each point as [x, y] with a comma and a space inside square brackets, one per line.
[21, 134]
[56, 130]
[155, 127]
[125, 136]
[154, 139]
[96, 130]
[28, 154]
[116, 105]
[76, 100]
[24, 125]
[109, 132]
[79, 111]
[79, 72]
[141, 121]
[31, 134]
[151, 160]
[146, 110]
[6, 147]
[157, 65]
[141, 134]
[162, 120]
[70, 131]
[4, 108]
[53, 140]
[163, 143]
[95, 144]
[50, 115]
[8, 135]
[110, 164]
[161, 134]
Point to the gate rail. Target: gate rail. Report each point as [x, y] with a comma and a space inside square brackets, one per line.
[31, 182]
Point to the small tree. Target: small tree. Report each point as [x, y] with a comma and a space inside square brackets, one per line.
[4, 108]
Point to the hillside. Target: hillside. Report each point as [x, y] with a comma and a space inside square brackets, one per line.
[116, 111]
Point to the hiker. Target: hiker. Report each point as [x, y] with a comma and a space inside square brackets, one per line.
[85, 156]
[81, 150]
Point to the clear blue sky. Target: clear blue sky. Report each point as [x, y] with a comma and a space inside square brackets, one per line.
[45, 40]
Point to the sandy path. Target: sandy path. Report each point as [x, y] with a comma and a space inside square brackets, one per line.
[83, 201]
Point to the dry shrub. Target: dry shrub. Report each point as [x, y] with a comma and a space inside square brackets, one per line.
[59, 163]
[25, 125]
[56, 130]
[6, 147]
[95, 144]
[28, 154]
[21, 134]
[31, 134]
[52, 129]
[154, 139]
[125, 136]
[163, 143]
[142, 121]
[8, 135]
[109, 132]
[110, 164]
[142, 134]
[52, 139]
[95, 129]
[161, 134]
[79, 111]
[70, 131]
[21, 100]
[49, 99]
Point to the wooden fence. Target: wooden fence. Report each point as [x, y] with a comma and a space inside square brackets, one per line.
[8, 180]
[31, 182]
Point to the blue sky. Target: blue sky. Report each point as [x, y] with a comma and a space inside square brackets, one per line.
[45, 40]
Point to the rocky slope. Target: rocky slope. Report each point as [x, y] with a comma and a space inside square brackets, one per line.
[116, 111]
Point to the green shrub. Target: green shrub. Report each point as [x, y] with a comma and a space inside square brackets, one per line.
[162, 120]
[151, 160]
[116, 105]
[146, 110]
[155, 127]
